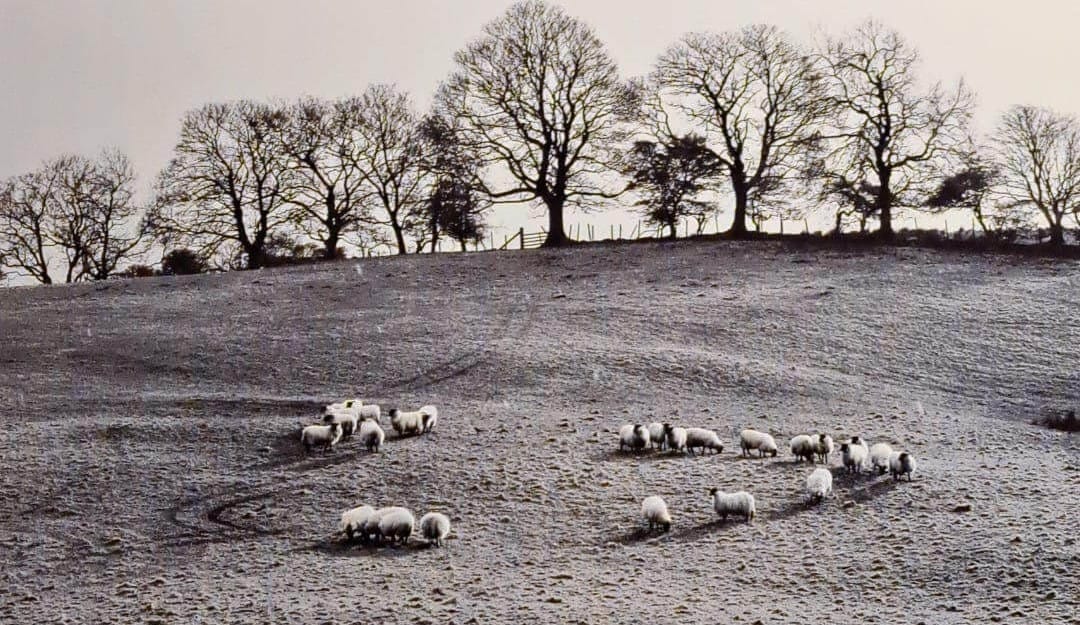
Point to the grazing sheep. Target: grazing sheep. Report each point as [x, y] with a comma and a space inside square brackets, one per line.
[656, 513]
[879, 457]
[901, 464]
[705, 439]
[656, 435]
[408, 422]
[396, 523]
[371, 435]
[854, 456]
[762, 442]
[352, 522]
[636, 437]
[741, 503]
[819, 485]
[823, 446]
[802, 447]
[325, 436]
[347, 419]
[676, 438]
[435, 526]
[370, 527]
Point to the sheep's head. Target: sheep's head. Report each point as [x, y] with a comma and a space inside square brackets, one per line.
[821, 437]
[328, 417]
[712, 491]
[904, 456]
[854, 440]
[773, 452]
[393, 412]
[668, 428]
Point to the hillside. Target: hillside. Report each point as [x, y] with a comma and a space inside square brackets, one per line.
[151, 469]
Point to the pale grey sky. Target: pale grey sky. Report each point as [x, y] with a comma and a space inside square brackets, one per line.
[78, 75]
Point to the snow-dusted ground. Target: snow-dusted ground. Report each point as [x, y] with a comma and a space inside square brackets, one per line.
[151, 470]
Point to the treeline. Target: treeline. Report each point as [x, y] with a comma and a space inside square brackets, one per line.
[536, 112]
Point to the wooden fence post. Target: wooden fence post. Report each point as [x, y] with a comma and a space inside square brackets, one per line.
[521, 235]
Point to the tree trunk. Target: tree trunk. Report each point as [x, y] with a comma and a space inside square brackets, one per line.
[399, 237]
[883, 204]
[1057, 234]
[256, 258]
[673, 231]
[839, 229]
[330, 245]
[738, 225]
[463, 248]
[556, 235]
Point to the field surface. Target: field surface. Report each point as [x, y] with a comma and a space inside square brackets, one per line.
[152, 473]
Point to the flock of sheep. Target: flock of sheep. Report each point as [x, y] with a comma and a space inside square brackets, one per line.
[855, 453]
[365, 523]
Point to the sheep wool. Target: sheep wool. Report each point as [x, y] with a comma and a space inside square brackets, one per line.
[347, 419]
[656, 513]
[676, 438]
[325, 436]
[429, 416]
[802, 447]
[823, 446]
[705, 439]
[634, 437]
[819, 485]
[396, 524]
[762, 442]
[879, 457]
[435, 527]
[901, 464]
[371, 435]
[740, 503]
[406, 422]
[352, 522]
[854, 456]
[656, 435]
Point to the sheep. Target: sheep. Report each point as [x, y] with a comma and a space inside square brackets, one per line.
[656, 435]
[414, 422]
[352, 522]
[429, 417]
[349, 405]
[705, 439]
[656, 513]
[676, 438]
[636, 437]
[879, 457]
[823, 446]
[371, 435]
[854, 456]
[370, 528]
[762, 442]
[819, 485]
[435, 526]
[802, 447]
[345, 418]
[325, 436]
[741, 502]
[396, 523]
[901, 464]
[370, 411]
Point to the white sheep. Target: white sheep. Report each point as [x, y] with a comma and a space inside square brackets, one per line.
[823, 446]
[634, 437]
[879, 457]
[349, 405]
[370, 411]
[396, 524]
[802, 447]
[762, 442]
[656, 513]
[430, 416]
[371, 435]
[741, 503]
[345, 418]
[370, 527]
[901, 464]
[413, 422]
[435, 527]
[819, 485]
[676, 438]
[656, 435]
[705, 439]
[352, 522]
[325, 436]
[854, 456]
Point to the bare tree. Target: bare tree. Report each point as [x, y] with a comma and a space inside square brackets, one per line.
[669, 176]
[113, 235]
[330, 191]
[389, 154]
[975, 188]
[899, 134]
[455, 203]
[539, 97]
[1039, 154]
[225, 189]
[755, 95]
[25, 221]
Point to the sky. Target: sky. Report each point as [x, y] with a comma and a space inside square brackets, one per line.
[80, 75]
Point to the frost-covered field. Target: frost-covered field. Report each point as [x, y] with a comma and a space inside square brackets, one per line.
[152, 473]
